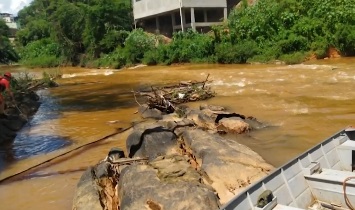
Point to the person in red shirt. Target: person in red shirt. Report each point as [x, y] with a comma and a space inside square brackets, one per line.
[5, 87]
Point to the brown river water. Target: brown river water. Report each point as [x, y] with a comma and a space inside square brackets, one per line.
[303, 104]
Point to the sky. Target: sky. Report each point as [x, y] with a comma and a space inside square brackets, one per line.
[12, 6]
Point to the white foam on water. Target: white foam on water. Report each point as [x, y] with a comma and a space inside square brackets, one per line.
[337, 98]
[90, 73]
[311, 66]
[241, 83]
[239, 91]
[299, 110]
[261, 90]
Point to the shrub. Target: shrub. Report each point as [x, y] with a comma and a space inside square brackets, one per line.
[115, 59]
[157, 56]
[137, 43]
[294, 58]
[189, 46]
[239, 53]
[42, 53]
[320, 47]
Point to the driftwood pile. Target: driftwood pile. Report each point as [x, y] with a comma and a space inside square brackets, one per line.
[167, 97]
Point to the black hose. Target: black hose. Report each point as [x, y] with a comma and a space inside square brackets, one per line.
[65, 153]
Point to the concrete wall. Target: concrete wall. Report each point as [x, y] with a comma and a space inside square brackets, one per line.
[204, 3]
[12, 25]
[146, 8]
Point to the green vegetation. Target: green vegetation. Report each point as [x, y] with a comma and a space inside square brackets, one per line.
[98, 33]
[7, 52]
[71, 32]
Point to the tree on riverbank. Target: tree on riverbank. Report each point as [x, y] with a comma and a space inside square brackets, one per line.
[7, 52]
[70, 32]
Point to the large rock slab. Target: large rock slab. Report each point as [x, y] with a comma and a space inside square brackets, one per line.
[166, 183]
[229, 166]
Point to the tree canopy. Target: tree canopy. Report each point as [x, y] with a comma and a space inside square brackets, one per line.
[75, 28]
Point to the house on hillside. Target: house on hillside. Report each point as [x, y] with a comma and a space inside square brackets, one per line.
[166, 16]
[10, 21]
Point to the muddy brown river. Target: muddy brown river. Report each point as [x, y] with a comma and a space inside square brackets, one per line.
[303, 104]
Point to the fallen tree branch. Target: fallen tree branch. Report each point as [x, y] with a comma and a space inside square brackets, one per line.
[165, 98]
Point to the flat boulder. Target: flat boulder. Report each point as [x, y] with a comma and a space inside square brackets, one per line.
[203, 119]
[151, 141]
[229, 166]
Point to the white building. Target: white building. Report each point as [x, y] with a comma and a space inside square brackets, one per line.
[9, 20]
[167, 16]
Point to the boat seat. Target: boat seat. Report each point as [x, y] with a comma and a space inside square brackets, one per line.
[332, 175]
[327, 186]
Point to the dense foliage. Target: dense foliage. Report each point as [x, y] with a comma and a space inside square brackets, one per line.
[98, 33]
[288, 30]
[288, 27]
[71, 31]
[7, 52]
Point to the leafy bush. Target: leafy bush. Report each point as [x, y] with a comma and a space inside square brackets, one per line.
[43, 61]
[239, 53]
[293, 26]
[42, 53]
[115, 59]
[189, 46]
[112, 40]
[294, 58]
[137, 43]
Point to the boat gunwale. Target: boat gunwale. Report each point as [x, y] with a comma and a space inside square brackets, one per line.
[279, 169]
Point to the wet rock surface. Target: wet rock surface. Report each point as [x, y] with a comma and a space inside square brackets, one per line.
[189, 165]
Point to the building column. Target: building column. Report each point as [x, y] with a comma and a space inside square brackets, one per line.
[182, 19]
[225, 13]
[135, 24]
[157, 25]
[173, 22]
[205, 16]
[193, 26]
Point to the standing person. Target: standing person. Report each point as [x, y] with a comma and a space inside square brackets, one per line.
[5, 87]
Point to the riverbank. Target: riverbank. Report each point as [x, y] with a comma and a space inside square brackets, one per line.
[24, 104]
